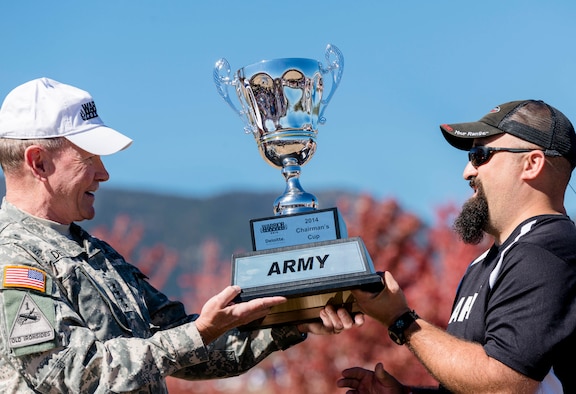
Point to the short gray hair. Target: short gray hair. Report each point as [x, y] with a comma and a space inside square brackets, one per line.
[12, 150]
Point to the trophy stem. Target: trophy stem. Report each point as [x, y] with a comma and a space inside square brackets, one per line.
[294, 199]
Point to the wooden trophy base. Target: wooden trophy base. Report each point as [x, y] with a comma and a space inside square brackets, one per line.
[306, 308]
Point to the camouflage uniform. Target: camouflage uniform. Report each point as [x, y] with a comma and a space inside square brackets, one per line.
[84, 320]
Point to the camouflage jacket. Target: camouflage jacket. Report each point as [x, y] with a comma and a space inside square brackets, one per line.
[76, 317]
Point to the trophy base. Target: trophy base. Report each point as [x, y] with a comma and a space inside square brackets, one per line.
[310, 276]
[305, 302]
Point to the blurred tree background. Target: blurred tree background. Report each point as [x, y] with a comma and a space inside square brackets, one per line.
[427, 261]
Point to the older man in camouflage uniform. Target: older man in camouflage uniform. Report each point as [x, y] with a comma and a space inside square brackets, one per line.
[75, 316]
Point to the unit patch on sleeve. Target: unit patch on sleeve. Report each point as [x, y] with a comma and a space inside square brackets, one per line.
[24, 277]
[30, 325]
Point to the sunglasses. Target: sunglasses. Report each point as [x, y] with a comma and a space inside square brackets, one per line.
[479, 155]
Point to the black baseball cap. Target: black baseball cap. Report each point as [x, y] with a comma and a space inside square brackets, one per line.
[531, 120]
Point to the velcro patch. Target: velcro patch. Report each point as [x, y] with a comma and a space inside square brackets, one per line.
[24, 277]
[30, 326]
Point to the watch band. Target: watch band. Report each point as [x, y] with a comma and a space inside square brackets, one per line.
[396, 330]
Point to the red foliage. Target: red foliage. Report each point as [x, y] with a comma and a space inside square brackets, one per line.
[156, 262]
[198, 287]
[427, 261]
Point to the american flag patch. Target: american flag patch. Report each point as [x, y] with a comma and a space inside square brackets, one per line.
[22, 276]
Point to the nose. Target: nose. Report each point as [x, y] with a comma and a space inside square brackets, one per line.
[469, 171]
[101, 173]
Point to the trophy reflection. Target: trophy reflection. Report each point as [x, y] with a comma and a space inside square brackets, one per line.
[302, 252]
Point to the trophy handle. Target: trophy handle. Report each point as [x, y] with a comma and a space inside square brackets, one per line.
[335, 68]
[223, 79]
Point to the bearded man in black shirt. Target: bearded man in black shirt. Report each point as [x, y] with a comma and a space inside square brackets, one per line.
[513, 322]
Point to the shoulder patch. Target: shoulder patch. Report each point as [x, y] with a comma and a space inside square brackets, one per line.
[30, 325]
[24, 277]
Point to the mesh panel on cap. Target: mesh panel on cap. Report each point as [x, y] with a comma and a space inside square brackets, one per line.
[533, 122]
[543, 125]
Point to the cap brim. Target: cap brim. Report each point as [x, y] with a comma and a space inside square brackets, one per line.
[462, 135]
[100, 141]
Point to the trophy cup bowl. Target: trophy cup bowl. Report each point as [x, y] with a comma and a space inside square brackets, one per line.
[282, 102]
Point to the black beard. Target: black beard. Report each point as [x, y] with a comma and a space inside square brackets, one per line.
[473, 220]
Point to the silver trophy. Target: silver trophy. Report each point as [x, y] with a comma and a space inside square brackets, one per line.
[282, 103]
[301, 252]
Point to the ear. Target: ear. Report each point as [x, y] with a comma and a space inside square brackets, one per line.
[533, 164]
[37, 161]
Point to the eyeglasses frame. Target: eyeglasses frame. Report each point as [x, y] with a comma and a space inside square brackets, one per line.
[488, 152]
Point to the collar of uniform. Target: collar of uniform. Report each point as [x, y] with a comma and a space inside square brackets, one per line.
[13, 210]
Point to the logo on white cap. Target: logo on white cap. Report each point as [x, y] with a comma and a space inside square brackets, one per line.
[89, 111]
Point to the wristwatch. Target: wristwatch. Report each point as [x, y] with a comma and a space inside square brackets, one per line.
[396, 330]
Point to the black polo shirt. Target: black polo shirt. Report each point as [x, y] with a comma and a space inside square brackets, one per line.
[519, 301]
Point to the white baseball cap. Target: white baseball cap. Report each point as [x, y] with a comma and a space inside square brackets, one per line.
[44, 108]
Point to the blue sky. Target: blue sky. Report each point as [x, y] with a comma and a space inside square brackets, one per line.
[409, 66]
